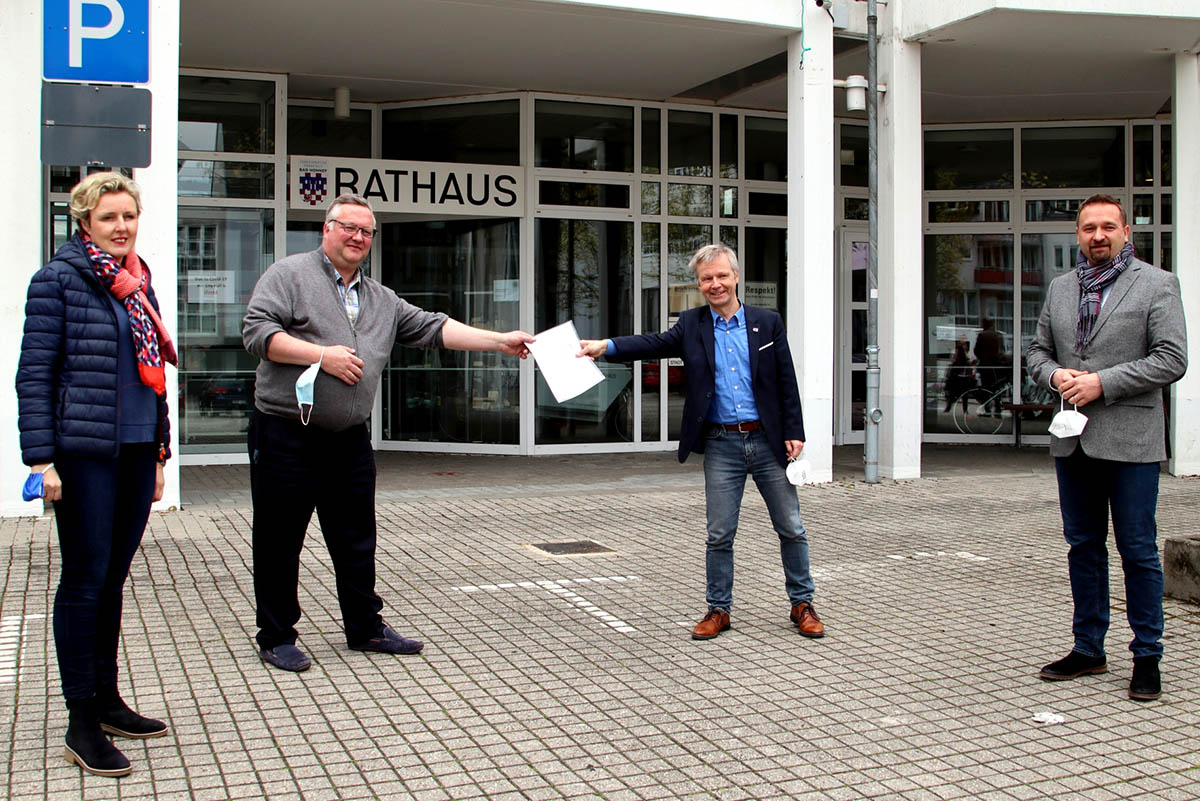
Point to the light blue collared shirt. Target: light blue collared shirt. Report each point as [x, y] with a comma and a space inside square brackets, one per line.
[733, 401]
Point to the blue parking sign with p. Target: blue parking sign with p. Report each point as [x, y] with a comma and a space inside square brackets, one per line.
[100, 41]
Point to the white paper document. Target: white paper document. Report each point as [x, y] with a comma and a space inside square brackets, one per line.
[566, 374]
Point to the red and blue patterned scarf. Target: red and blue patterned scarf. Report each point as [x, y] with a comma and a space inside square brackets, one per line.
[129, 284]
[1092, 283]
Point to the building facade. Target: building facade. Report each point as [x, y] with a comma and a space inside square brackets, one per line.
[537, 161]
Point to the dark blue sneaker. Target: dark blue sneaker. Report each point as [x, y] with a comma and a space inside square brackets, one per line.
[286, 657]
[389, 642]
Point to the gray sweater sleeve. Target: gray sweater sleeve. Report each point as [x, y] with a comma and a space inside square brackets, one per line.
[417, 328]
[268, 312]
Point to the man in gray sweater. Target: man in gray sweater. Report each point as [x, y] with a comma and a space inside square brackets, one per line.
[309, 444]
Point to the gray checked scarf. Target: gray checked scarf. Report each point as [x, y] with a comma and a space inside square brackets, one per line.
[1092, 283]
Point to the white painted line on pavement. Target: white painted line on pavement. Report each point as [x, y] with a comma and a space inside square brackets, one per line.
[558, 587]
[12, 634]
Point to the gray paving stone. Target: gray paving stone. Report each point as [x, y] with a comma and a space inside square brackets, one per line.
[942, 597]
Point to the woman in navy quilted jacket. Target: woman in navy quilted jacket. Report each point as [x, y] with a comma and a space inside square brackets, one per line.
[93, 418]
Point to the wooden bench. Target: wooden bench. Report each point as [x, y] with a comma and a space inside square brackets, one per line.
[1018, 409]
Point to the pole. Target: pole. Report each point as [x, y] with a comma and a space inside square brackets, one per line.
[873, 413]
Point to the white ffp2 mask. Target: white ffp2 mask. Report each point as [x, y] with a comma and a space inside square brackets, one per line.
[1068, 422]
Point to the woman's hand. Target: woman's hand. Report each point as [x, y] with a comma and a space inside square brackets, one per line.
[160, 481]
[51, 483]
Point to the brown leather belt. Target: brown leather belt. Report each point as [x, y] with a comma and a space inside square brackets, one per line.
[746, 426]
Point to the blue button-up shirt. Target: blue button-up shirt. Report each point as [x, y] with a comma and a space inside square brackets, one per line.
[733, 401]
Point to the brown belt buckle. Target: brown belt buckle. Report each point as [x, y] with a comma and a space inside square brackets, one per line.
[751, 423]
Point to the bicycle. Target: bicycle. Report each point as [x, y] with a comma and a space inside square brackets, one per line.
[979, 410]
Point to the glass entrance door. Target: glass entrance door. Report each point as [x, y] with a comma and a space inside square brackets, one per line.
[467, 269]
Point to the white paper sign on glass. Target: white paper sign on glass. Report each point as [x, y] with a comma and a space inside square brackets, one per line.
[566, 374]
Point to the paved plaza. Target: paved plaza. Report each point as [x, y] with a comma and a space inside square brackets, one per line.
[574, 677]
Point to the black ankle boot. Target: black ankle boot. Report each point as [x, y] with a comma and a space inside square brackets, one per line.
[117, 718]
[87, 746]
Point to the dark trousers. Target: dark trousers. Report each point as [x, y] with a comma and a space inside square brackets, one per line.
[295, 469]
[1087, 489]
[100, 519]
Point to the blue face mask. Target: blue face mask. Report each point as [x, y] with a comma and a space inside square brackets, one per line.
[34, 486]
[304, 388]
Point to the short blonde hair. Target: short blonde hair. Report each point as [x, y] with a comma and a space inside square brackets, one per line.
[86, 194]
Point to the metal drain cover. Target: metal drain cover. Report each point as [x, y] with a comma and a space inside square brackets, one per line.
[571, 548]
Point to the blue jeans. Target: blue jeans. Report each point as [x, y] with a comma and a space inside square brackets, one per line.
[100, 519]
[728, 457]
[1087, 489]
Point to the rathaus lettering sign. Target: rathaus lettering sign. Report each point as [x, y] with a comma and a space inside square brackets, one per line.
[414, 187]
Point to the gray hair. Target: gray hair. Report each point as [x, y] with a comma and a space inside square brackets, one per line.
[347, 199]
[710, 253]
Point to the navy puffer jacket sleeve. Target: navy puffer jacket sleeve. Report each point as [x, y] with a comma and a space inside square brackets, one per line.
[67, 397]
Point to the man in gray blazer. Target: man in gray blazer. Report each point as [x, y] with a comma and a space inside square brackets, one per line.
[1110, 337]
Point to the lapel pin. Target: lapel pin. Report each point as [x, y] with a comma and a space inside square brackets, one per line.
[756, 330]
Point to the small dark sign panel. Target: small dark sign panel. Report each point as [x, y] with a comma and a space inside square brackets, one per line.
[89, 124]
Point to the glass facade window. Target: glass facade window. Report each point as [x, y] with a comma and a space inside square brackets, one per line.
[766, 148]
[570, 193]
[468, 269]
[690, 143]
[651, 197]
[970, 159]
[487, 132]
[729, 205]
[855, 208]
[853, 155]
[229, 179]
[764, 268]
[222, 252]
[651, 141]
[1053, 210]
[968, 333]
[1143, 210]
[1073, 157]
[583, 136]
[1164, 135]
[584, 273]
[226, 115]
[1143, 156]
[962, 211]
[314, 131]
[690, 200]
[767, 204]
[729, 146]
[63, 179]
[652, 371]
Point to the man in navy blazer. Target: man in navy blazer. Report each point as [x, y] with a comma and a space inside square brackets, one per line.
[742, 411]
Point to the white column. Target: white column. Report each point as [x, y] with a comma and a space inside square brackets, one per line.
[810, 264]
[23, 210]
[157, 230]
[901, 350]
[1185, 394]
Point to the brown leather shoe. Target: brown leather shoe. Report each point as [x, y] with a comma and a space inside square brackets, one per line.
[716, 621]
[805, 618]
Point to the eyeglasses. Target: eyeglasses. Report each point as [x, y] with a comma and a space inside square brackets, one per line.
[351, 229]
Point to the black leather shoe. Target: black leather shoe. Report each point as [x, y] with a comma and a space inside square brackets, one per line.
[86, 744]
[117, 718]
[389, 642]
[286, 657]
[1146, 684]
[1072, 666]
